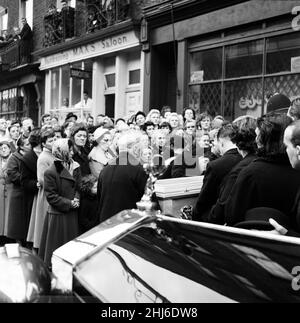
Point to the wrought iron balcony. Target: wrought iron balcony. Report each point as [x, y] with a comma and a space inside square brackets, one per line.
[14, 54]
[102, 14]
[59, 26]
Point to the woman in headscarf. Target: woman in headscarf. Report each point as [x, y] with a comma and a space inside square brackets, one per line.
[101, 154]
[5, 152]
[61, 182]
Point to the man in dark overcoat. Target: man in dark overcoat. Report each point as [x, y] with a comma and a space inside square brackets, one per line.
[269, 181]
[216, 173]
[25, 42]
[121, 185]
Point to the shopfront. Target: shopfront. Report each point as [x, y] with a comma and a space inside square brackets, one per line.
[109, 70]
[239, 78]
[11, 103]
[227, 61]
[21, 94]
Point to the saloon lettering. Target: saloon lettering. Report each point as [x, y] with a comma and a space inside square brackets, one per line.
[110, 42]
[106, 43]
[94, 49]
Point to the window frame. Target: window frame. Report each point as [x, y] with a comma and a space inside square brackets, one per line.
[3, 22]
[70, 95]
[234, 40]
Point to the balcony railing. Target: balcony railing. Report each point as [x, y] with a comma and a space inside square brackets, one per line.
[15, 53]
[101, 15]
[91, 16]
[59, 26]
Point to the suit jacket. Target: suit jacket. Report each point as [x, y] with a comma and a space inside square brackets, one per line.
[216, 171]
[120, 186]
[266, 182]
[26, 32]
[216, 214]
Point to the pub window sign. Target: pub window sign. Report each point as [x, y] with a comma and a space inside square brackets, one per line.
[80, 74]
[197, 76]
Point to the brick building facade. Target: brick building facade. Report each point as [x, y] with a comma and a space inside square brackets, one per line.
[26, 90]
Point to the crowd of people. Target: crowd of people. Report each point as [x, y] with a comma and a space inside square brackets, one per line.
[58, 181]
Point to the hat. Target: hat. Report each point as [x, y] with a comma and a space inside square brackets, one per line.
[4, 141]
[99, 133]
[70, 115]
[278, 101]
[258, 219]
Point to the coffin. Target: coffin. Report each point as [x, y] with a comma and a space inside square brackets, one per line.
[174, 193]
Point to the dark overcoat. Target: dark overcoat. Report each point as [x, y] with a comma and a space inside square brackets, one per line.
[61, 222]
[216, 214]
[17, 224]
[81, 157]
[120, 186]
[5, 187]
[87, 215]
[266, 182]
[29, 181]
[216, 171]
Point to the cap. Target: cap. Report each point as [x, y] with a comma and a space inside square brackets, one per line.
[278, 101]
[70, 115]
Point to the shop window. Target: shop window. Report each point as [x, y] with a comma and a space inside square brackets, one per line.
[10, 104]
[194, 97]
[210, 98]
[110, 80]
[134, 77]
[3, 19]
[244, 59]
[88, 82]
[65, 85]
[76, 86]
[283, 54]
[55, 88]
[67, 89]
[243, 97]
[286, 84]
[206, 65]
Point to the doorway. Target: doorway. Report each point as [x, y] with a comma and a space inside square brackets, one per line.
[163, 77]
[110, 105]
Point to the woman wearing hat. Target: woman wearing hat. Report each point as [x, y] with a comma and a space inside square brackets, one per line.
[5, 152]
[61, 182]
[101, 154]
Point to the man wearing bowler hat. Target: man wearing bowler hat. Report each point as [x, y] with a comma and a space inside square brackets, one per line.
[71, 117]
